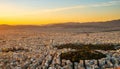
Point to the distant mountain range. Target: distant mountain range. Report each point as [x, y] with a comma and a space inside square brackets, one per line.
[72, 26]
[87, 24]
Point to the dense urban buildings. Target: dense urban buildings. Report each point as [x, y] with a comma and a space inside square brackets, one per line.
[29, 49]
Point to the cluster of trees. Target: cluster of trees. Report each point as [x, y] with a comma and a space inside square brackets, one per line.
[13, 49]
[88, 46]
[75, 56]
[85, 52]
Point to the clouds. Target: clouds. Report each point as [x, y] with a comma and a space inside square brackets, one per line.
[8, 9]
[96, 10]
[11, 8]
[109, 3]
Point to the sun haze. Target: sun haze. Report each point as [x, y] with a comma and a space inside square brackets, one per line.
[38, 12]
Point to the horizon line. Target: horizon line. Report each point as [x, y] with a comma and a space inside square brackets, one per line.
[59, 23]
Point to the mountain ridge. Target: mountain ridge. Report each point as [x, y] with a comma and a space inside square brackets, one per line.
[113, 25]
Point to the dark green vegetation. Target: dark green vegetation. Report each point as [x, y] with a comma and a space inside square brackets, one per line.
[88, 46]
[76, 56]
[13, 49]
[82, 55]
[85, 52]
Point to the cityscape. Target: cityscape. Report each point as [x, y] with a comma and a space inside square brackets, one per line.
[59, 34]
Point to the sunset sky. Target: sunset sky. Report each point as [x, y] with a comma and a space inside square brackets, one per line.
[38, 12]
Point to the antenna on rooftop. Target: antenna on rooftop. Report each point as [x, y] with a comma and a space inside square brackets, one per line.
[52, 42]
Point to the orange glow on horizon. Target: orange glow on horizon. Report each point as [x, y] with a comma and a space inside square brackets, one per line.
[52, 20]
[13, 14]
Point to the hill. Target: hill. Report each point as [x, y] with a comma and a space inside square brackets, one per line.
[71, 27]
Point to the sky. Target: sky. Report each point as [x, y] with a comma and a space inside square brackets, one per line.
[39, 12]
